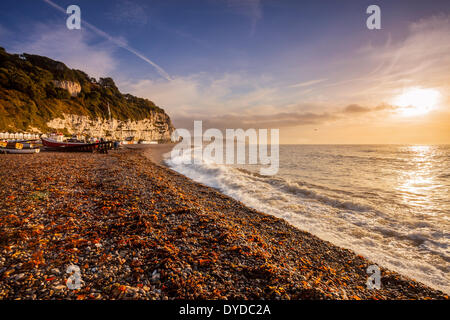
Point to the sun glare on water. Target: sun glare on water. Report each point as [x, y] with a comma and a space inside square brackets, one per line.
[417, 101]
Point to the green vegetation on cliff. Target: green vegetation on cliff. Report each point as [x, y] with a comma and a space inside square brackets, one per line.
[29, 97]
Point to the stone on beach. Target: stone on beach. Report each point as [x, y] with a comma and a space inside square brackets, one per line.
[137, 230]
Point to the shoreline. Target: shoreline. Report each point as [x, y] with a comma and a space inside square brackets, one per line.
[155, 155]
[156, 152]
[142, 231]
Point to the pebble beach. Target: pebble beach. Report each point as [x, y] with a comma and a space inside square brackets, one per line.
[138, 230]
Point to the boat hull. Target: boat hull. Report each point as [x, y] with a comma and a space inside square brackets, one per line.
[56, 144]
[20, 151]
[101, 147]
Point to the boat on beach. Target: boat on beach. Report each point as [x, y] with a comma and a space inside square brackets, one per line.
[20, 151]
[25, 144]
[79, 146]
[52, 143]
[15, 147]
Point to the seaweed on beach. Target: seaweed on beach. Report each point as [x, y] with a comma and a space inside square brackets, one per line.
[138, 230]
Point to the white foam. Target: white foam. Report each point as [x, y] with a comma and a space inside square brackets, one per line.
[411, 247]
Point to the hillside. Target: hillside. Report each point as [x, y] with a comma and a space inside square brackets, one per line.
[35, 90]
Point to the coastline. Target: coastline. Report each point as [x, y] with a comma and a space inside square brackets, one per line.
[156, 152]
[142, 231]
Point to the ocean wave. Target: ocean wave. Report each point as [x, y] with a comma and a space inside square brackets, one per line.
[395, 239]
[297, 189]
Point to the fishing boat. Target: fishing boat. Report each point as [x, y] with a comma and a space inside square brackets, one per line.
[20, 151]
[16, 148]
[53, 144]
[26, 144]
[14, 145]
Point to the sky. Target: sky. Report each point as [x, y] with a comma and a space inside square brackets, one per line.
[309, 68]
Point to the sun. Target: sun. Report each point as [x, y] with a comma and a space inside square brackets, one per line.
[417, 101]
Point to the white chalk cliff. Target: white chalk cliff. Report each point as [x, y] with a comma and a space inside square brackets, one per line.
[156, 127]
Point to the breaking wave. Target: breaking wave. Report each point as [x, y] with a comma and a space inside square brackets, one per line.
[370, 220]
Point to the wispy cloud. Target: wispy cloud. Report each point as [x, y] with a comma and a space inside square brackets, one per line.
[214, 101]
[277, 120]
[292, 116]
[72, 48]
[357, 109]
[419, 59]
[221, 101]
[241, 99]
[307, 83]
[119, 42]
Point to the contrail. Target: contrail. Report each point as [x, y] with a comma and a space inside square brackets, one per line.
[117, 42]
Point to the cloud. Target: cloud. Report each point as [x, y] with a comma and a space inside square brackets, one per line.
[357, 109]
[277, 120]
[419, 59]
[70, 47]
[307, 83]
[117, 41]
[238, 100]
[243, 100]
[203, 94]
[295, 117]
[354, 108]
[227, 100]
[378, 73]
[292, 116]
[245, 121]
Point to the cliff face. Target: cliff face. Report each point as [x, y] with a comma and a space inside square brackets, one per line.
[41, 95]
[156, 127]
[73, 88]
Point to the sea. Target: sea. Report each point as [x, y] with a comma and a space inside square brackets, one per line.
[388, 203]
